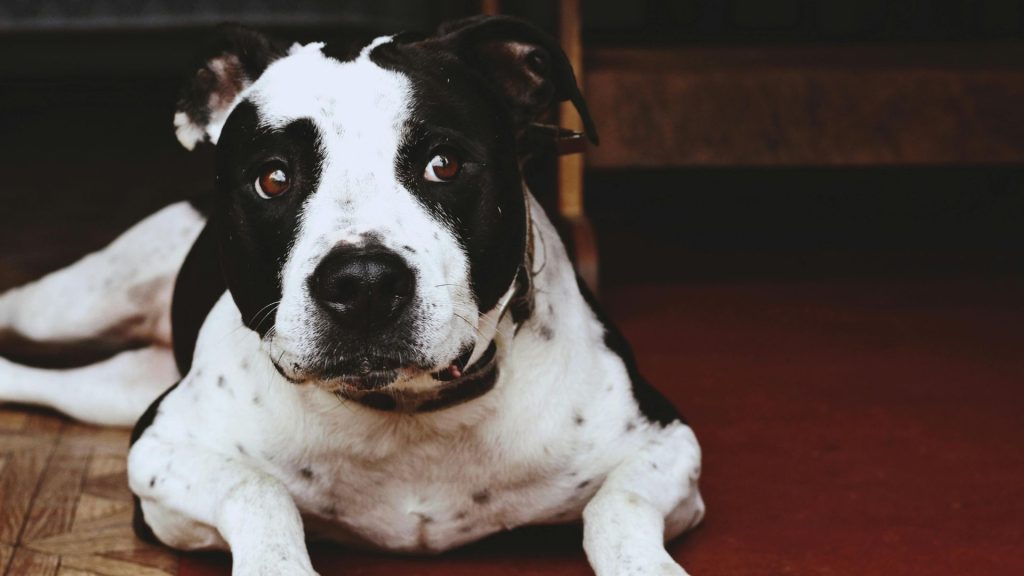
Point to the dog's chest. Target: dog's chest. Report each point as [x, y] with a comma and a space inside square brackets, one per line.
[440, 494]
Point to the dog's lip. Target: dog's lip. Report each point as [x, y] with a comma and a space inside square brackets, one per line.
[459, 369]
[370, 375]
[371, 380]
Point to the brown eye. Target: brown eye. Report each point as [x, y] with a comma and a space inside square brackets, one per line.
[273, 180]
[443, 167]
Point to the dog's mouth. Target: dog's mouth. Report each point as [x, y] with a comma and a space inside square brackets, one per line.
[369, 373]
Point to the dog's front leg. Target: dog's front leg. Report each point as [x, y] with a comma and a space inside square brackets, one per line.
[650, 497]
[194, 498]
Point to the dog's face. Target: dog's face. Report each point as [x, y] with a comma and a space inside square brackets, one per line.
[371, 211]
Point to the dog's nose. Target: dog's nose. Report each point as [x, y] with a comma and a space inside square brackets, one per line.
[362, 288]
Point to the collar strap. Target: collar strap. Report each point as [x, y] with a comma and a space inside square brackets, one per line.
[475, 381]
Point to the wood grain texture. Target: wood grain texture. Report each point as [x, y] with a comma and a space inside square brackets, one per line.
[65, 507]
[26, 458]
[26, 562]
[806, 106]
[5, 556]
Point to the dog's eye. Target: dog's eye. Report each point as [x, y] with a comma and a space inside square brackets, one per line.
[273, 180]
[443, 167]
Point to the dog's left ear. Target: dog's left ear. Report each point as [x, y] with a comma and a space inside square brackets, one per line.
[232, 60]
[524, 64]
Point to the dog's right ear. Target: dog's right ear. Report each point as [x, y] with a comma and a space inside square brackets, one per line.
[233, 59]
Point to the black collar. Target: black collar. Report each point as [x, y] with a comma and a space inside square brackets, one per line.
[474, 382]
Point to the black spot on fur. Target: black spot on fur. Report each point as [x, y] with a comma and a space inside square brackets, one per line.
[152, 481]
[583, 485]
[578, 419]
[409, 249]
[461, 515]
[241, 449]
[221, 381]
[257, 400]
[546, 333]
[372, 238]
[482, 497]
[630, 426]
[306, 472]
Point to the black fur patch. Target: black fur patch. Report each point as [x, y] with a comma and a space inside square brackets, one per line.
[652, 403]
[454, 110]
[198, 287]
[254, 234]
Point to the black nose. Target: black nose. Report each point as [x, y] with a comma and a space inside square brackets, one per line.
[362, 288]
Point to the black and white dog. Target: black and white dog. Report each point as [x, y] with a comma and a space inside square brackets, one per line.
[378, 336]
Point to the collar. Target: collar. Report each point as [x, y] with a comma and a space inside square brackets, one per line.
[474, 382]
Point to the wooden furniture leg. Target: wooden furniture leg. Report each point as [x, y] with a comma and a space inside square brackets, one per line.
[570, 167]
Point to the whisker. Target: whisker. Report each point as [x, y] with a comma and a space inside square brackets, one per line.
[258, 312]
[460, 317]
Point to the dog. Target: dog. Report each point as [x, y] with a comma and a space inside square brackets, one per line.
[378, 337]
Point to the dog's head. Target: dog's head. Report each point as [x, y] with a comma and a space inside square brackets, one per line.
[370, 210]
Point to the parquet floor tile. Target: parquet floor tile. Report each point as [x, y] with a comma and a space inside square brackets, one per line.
[65, 507]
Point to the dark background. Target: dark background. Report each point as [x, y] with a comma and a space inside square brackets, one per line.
[87, 92]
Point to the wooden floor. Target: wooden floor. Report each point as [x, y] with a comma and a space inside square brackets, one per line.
[65, 508]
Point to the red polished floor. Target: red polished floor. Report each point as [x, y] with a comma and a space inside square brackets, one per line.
[849, 427]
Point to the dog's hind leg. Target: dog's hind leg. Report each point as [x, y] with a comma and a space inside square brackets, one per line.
[114, 299]
[118, 296]
[650, 497]
[114, 392]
